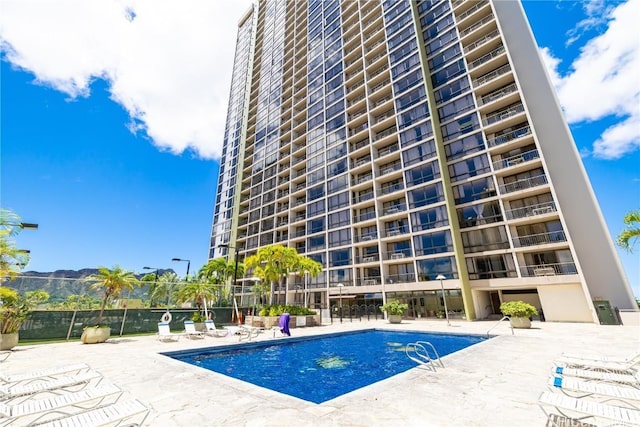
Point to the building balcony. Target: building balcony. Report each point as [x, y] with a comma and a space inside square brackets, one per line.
[493, 35]
[395, 208]
[503, 114]
[509, 136]
[523, 184]
[362, 197]
[392, 188]
[557, 269]
[516, 160]
[494, 274]
[398, 254]
[401, 278]
[367, 237]
[486, 58]
[368, 258]
[475, 26]
[532, 210]
[539, 239]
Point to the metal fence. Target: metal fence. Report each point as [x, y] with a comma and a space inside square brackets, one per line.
[52, 325]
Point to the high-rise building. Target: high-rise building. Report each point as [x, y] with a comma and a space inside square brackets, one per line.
[410, 147]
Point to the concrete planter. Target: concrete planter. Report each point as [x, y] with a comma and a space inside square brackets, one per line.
[93, 335]
[268, 322]
[8, 341]
[520, 322]
[395, 318]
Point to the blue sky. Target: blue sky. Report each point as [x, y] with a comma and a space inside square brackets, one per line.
[112, 118]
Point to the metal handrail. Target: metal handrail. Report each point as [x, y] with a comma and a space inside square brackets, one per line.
[417, 352]
[494, 326]
[434, 351]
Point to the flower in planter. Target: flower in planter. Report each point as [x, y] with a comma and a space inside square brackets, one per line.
[518, 309]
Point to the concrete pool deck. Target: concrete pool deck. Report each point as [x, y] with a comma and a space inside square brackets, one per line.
[494, 383]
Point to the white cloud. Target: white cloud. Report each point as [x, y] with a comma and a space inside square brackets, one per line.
[596, 12]
[168, 62]
[603, 82]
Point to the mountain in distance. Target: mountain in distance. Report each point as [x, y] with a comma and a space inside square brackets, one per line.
[60, 284]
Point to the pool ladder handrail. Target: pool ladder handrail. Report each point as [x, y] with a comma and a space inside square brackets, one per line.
[499, 321]
[417, 351]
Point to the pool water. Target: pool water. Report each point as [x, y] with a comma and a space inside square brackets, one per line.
[324, 367]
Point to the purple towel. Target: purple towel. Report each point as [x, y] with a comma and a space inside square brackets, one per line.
[284, 323]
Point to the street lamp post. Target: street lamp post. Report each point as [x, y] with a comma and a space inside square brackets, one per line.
[444, 298]
[306, 289]
[340, 286]
[5, 224]
[186, 279]
[156, 283]
[152, 268]
[235, 278]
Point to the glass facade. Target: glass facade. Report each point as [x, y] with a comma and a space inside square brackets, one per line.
[390, 142]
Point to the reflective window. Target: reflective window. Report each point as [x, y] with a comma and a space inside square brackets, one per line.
[416, 134]
[419, 153]
[474, 190]
[429, 218]
[429, 269]
[315, 225]
[462, 147]
[338, 219]
[426, 195]
[421, 174]
[338, 201]
[433, 243]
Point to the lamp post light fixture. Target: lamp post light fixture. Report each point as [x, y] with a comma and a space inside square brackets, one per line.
[28, 226]
[188, 265]
[235, 277]
[22, 225]
[152, 268]
[340, 286]
[441, 277]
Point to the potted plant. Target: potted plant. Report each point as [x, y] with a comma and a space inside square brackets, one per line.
[394, 310]
[519, 313]
[14, 310]
[198, 321]
[112, 283]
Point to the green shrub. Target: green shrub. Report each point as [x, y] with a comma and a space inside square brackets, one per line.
[518, 309]
[395, 307]
[278, 309]
[198, 318]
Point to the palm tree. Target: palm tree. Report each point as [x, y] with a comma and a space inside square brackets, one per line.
[112, 283]
[198, 291]
[272, 263]
[163, 289]
[218, 271]
[307, 266]
[628, 237]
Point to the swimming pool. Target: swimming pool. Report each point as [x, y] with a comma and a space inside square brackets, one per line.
[322, 367]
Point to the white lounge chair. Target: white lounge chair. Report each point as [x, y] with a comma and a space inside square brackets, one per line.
[602, 358]
[631, 378]
[577, 387]
[4, 355]
[43, 374]
[212, 331]
[190, 330]
[11, 391]
[165, 334]
[603, 363]
[580, 409]
[118, 414]
[35, 411]
[243, 332]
